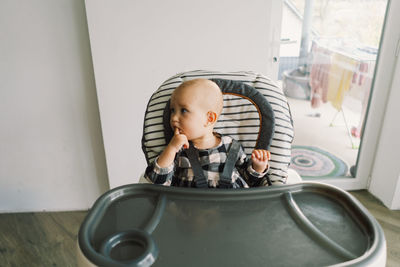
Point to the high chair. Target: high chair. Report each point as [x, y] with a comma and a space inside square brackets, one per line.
[300, 224]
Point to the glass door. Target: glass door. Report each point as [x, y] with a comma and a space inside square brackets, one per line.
[328, 55]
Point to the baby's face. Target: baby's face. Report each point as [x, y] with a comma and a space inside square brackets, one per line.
[188, 113]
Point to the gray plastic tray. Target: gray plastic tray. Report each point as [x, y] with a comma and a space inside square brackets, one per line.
[306, 224]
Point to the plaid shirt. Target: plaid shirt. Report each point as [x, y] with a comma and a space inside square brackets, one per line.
[212, 161]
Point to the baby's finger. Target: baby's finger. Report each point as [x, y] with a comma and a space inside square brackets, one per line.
[265, 155]
[256, 154]
[260, 155]
[176, 131]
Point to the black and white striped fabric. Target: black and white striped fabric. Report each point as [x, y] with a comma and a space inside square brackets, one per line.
[240, 118]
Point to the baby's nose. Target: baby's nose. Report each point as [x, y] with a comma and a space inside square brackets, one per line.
[174, 117]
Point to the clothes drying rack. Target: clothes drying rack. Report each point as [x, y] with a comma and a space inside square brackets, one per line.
[356, 55]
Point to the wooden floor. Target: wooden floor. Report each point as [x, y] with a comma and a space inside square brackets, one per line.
[39, 239]
[49, 239]
[389, 221]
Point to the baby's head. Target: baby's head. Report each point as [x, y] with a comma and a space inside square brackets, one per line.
[203, 92]
[197, 102]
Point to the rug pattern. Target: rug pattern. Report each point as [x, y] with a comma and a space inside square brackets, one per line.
[313, 162]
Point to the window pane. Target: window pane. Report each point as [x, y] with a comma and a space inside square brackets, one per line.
[327, 61]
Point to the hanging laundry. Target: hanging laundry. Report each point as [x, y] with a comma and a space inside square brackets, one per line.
[334, 72]
[340, 78]
[363, 71]
[319, 75]
[361, 88]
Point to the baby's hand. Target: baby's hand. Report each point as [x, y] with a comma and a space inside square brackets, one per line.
[166, 158]
[178, 140]
[259, 159]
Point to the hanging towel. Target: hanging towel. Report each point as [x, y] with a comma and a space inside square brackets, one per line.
[340, 78]
[360, 73]
[319, 75]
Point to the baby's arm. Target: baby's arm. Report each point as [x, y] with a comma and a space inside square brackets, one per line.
[259, 159]
[168, 155]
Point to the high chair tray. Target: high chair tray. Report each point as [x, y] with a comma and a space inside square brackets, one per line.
[306, 224]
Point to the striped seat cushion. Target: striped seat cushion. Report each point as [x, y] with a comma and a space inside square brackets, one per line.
[240, 119]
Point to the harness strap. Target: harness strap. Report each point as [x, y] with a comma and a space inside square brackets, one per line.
[225, 179]
[199, 178]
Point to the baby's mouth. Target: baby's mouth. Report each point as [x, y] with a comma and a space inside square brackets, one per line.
[179, 130]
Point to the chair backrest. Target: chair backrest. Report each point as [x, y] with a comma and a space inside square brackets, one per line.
[255, 112]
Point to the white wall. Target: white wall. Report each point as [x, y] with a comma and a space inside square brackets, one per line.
[385, 183]
[51, 150]
[136, 45]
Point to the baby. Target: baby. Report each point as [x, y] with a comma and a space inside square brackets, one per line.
[195, 107]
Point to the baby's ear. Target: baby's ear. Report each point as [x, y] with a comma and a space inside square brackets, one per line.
[211, 117]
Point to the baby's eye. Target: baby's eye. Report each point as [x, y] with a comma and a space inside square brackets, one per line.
[172, 110]
[184, 110]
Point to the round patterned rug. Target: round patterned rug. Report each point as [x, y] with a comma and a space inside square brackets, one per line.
[313, 162]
